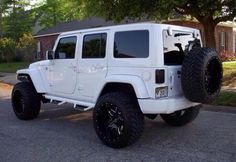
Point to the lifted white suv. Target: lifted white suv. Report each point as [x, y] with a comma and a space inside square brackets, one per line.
[124, 72]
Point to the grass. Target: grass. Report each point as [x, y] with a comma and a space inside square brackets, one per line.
[229, 78]
[12, 67]
[226, 99]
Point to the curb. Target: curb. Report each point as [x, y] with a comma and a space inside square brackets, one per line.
[225, 109]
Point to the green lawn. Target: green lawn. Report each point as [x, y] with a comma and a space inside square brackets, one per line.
[229, 69]
[229, 79]
[226, 98]
[12, 67]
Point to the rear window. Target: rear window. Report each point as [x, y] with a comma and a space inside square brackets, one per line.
[131, 44]
[177, 45]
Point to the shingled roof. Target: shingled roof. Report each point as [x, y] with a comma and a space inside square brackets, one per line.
[74, 25]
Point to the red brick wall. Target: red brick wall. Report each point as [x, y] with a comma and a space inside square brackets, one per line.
[228, 31]
[46, 43]
[229, 38]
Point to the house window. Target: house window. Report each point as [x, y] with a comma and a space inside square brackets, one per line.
[38, 56]
[222, 40]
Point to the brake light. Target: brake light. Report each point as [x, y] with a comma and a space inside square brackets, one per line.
[160, 76]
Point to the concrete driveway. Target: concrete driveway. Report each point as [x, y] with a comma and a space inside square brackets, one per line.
[63, 134]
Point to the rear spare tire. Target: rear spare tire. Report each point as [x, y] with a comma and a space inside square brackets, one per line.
[201, 75]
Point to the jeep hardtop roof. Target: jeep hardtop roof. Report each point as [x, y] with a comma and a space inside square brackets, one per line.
[132, 26]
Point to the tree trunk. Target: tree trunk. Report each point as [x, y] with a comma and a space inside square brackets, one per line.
[209, 34]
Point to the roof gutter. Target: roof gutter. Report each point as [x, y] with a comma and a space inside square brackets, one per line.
[46, 35]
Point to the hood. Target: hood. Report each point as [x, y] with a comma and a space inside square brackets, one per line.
[39, 63]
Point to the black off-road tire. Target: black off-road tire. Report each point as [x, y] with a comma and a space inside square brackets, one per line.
[118, 120]
[181, 117]
[25, 101]
[201, 75]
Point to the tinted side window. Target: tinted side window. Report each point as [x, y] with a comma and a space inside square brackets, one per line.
[94, 46]
[66, 48]
[131, 44]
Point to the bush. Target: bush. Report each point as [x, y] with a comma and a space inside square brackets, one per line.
[26, 47]
[7, 49]
[227, 56]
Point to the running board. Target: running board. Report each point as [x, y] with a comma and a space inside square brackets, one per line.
[77, 104]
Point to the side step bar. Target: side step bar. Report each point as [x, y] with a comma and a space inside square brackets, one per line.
[77, 104]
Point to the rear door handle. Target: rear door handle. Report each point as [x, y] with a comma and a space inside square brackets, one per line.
[172, 80]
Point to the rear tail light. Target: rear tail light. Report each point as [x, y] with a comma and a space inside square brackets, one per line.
[160, 76]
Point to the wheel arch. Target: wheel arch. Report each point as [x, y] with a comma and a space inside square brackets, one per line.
[129, 84]
[32, 76]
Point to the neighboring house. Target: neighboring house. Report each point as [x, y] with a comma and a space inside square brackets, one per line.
[47, 37]
[225, 33]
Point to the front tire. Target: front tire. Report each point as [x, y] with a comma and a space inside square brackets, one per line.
[181, 117]
[25, 101]
[118, 121]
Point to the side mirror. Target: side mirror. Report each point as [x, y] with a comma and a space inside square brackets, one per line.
[50, 55]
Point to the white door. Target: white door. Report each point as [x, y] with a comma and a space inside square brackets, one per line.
[63, 69]
[93, 64]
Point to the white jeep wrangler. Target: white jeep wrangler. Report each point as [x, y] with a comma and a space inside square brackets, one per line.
[124, 72]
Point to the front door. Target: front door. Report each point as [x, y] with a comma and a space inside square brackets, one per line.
[63, 69]
[92, 64]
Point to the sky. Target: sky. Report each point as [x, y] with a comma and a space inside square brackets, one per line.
[34, 2]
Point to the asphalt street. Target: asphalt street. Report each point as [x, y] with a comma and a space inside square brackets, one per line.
[64, 134]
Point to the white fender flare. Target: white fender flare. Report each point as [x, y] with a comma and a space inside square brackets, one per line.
[135, 81]
[35, 77]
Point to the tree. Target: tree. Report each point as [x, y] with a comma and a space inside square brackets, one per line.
[3, 9]
[208, 12]
[17, 19]
[57, 11]
[7, 49]
[27, 47]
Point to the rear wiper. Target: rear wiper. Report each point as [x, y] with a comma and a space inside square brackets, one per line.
[181, 34]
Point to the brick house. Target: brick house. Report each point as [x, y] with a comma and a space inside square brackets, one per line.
[47, 37]
[225, 33]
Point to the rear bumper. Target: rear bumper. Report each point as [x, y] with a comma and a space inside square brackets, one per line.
[164, 106]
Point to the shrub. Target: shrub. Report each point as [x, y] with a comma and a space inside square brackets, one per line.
[7, 49]
[227, 56]
[26, 47]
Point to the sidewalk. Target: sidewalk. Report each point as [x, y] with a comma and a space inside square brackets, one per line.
[228, 89]
[5, 91]
[9, 78]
